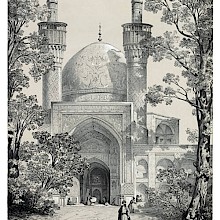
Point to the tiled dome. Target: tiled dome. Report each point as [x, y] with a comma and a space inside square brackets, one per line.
[96, 73]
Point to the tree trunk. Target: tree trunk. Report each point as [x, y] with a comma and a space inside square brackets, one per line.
[13, 159]
[13, 153]
[10, 91]
[203, 168]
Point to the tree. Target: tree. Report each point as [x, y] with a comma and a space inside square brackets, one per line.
[53, 161]
[25, 49]
[24, 114]
[191, 46]
[45, 166]
[172, 199]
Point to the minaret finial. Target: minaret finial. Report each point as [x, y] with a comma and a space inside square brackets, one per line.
[53, 8]
[100, 32]
[137, 6]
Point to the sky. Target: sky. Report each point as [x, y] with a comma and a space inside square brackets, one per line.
[83, 18]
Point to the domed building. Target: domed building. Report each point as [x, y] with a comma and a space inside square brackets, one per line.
[98, 72]
[98, 96]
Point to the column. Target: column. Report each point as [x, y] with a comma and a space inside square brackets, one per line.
[152, 170]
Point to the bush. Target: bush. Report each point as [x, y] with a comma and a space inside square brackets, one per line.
[164, 205]
[172, 200]
[45, 206]
[27, 196]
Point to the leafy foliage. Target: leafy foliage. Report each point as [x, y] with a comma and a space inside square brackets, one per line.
[54, 161]
[192, 135]
[191, 48]
[25, 195]
[44, 167]
[24, 114]
[25, 50]
[173, 200]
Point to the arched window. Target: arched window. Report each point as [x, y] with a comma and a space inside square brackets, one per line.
[164, 134]
[142, 169]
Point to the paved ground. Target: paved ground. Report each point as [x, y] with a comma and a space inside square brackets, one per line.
[94, 213]
[90, 213]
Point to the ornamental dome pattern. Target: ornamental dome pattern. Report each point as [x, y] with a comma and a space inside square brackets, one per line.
[98, 72]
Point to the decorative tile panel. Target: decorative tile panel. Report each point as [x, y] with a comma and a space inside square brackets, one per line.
[127, 188]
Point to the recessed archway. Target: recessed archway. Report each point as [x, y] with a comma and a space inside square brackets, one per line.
[164, 134]
[101, 145]
[96, 183]
[141, 192]
[142, 169]
[163, 164]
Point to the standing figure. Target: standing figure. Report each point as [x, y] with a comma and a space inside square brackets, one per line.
[113, 201]
[131, 205]
[104, 200]
[89, 199]
[123, 212]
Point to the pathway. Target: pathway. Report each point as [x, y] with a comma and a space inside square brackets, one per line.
[94, 213]
[81, 212]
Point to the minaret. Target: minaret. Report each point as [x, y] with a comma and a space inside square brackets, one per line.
[100, 33]
[136, 54]
[137, 11]
[55, 32]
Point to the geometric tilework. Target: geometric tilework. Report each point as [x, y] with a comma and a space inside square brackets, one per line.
[51, 88]
[127, 188]
[137, 84]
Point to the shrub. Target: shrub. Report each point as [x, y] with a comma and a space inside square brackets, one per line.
[43, 167]
[172, 200]
[27, 196]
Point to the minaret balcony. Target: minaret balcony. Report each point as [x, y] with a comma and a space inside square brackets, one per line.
[54, 31]
[135, 33]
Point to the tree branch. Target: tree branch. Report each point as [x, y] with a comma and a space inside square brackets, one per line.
[18, 57]
[181, 99]
[176, 23]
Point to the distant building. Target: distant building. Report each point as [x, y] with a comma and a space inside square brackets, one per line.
[99, 98]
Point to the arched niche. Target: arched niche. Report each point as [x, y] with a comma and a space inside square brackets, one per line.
[187, 165]
[164, 134]
[163, 164]
[142, 191]
[96, 182]
[142, 169]
[74, 191]
[95, 162]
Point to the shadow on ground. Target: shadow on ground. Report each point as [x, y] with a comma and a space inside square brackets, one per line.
[85, 213]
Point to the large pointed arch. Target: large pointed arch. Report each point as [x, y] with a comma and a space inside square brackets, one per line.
[106, 156]
[97, 121]
[98, 161]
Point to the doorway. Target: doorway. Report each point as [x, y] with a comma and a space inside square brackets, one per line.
[95, 183]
